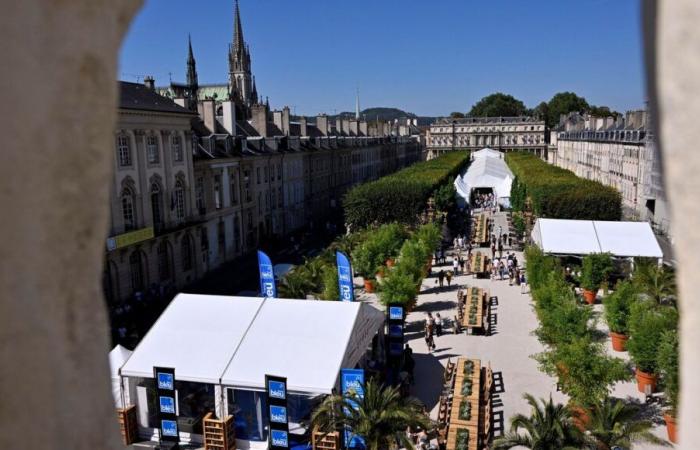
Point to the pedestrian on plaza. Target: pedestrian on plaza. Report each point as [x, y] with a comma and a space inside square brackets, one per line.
[510, 241]
[454, 242]
[523, 282]
[431, 322]
[441, 277]
[500, 250]
[515, 261]
[493, 251]
[455, 264]
[438, 324]
[456, 328]
[429, 341]
[461, 264]
[448, 276]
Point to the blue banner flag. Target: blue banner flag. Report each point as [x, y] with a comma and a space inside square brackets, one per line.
[344, 277]
[267, 276]
[353, 380]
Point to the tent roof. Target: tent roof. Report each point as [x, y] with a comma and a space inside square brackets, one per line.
[306, 341]
[583, 237]
[487, 153]
[235, 341]
[117, 358]
[486, 172]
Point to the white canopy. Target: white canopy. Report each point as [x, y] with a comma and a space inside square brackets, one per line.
[583, 237]
[235, 341]
[486, 171]
[117, 358]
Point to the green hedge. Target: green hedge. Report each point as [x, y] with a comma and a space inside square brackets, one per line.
[558, 193]
[400, 197]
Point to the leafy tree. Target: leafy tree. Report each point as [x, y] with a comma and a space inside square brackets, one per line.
[595, 270]
[380, 417]
[648, 323]
[549, 427]
[618, 306]
[331, 291]
[498, 105]
[397, 287]
[457, 115]
[564, 103]
[445, 197]
[613, 423]
[295, 284]
[667, 361]
[541, 111]
[602, 111]
[654, 281]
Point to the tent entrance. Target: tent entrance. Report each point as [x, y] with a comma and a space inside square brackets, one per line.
[482, 197]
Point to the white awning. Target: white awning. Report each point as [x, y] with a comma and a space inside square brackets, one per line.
[117, 358]
[583, 237]
[486, 171]
[487, 153]
[235, 341]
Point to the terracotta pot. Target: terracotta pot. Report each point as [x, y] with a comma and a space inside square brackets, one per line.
[671, 427]
[589, 296]
[390, 262]
[645, 379]
[619, 341]
[369, 286]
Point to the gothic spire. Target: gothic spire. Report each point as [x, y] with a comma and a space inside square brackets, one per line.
[238, 41]
[192, 80]
[255, 89]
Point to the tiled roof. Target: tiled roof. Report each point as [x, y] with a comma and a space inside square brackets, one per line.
[137, 96]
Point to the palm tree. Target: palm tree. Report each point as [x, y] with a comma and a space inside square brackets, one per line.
[295, 284]
[658, 282]
[549, 427]
[381, 416]
[614, 423]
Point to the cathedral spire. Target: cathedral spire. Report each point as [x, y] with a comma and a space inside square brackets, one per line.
[255, 89]
[192, 80]
[357, 105]
[238, 41]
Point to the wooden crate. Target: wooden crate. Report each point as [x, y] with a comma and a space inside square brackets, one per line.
[330, 441]
[127, 424]
[219, 434]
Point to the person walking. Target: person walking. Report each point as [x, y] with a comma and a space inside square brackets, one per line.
[438, 325]
[493, 251]
[441, 277]
[461, 264]
[523, 282]
[500, 249]
[455, 264]
[448, 276]
[429, 342]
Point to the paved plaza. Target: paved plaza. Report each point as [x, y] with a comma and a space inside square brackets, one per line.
[508, 349]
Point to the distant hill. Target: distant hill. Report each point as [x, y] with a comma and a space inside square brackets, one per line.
[382, 114]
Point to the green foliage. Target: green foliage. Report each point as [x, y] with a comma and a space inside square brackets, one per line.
[518, 196]
[465, 410]
[549, 426]
[667, 362]
[518, 224]
[397, 287]
[331, 291]
[648, 323]
[462, 439]
[539, 266]
[445, 197]
[380, 417]
[564, 103]
[457, 115]
[654, 281]
[498, 105]
[595, 269]
[614, 423]
[562, 320]
[430, 235]
[379, 245]
[558, 193]
[402, 196]
[618, 306]
[295, 284]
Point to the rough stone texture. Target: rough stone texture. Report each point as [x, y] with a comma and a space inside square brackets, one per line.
[58, 110]
[673, 70]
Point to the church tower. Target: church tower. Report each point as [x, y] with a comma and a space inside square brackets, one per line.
[192, 80]
[240, 77]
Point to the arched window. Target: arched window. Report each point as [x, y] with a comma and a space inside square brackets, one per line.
[152, 149]
[186, 253]
[179, 200]
[128, 213]
[164, 272]
[157, 206]
[123, 150]
[136, 268]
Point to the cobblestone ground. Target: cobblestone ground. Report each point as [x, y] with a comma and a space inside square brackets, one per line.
[508, 349]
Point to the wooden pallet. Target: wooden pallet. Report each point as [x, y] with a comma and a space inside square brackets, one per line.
[127, 424]
[330, 441]
[219, 434]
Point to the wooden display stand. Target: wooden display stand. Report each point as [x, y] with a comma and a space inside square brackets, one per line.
[479, 264]
[127, 424]
[481, 231]
[219, 434]
[330, 441]
[474, 299]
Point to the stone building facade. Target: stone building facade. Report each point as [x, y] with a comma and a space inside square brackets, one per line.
[499, 133]
[621, 153]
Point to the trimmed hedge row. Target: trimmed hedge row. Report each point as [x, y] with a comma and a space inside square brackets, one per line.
[402, 196]
[558, 193]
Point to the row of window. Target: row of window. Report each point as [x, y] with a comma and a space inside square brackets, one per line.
[124, 153]
[487, 129]
[128, 203]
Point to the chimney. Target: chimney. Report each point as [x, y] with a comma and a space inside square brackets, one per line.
[229, 117]
[277, 119]
[322, 124]
[207, 111]
[302, 127]
[285, 120]
[150, 82]
[259, 120]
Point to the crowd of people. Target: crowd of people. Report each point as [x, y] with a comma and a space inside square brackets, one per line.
[484, 201]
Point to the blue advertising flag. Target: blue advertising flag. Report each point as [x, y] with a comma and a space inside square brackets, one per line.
[353, 380]
[344, 277]
[267, 276]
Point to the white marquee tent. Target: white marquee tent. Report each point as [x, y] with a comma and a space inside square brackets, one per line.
[487, 170]
[583, 237]
[117, 358]
[235, 341]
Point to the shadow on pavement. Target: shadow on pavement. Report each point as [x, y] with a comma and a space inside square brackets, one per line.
[429, 373]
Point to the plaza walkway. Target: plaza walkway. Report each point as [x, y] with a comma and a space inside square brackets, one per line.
[508, 349]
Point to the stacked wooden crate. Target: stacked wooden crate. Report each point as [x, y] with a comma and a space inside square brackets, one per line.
[219, 434]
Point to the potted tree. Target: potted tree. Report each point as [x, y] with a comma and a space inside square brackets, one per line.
[667, 357]
[595, 269]
[648, 322]
[617, 311]
[397, 287]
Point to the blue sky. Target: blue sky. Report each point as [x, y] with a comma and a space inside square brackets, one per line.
[429, 57]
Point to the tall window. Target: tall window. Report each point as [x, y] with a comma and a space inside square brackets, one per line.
[234, 190]
[257, 175]
[136, 266]
[123, 150]
[163, 261]
[217, 191]
[157, 206]
[179, 200]
[128, 213]
[246, 185]
[199, 193]
[186, 253]
[176, 144]
[152, 149]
